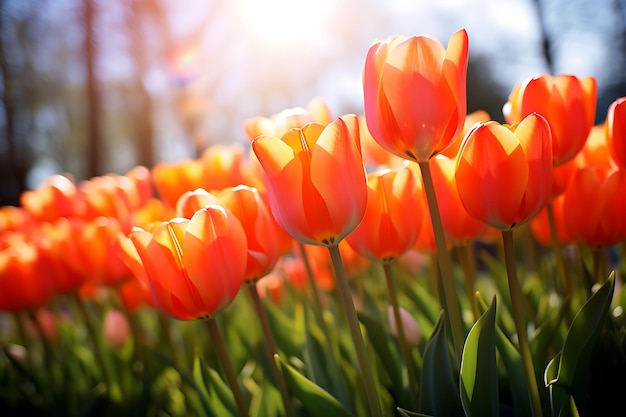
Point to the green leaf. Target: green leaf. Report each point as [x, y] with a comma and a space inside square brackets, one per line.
[407, 413]
[200, 385]
[479, 372]
[548, 333]
[379, 339]
[287, 339]
[514, 366]
[222, 395]
[439, 394]
[580, 341]
[315, 400]
[559, 398]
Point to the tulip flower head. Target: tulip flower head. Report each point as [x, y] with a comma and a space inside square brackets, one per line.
[393, 217]
[415, 93]
[615, 128]
[315, 180]
[568, 103]
[504, 173]
[194, 267]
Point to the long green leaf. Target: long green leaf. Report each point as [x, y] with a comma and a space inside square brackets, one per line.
[514, 366]
[388, 357]
[439, 394]
[316, 401]
[576, 355]
[200, 385]
[479, 372]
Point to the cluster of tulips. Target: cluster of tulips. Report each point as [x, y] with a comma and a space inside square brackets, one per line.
[415, 260]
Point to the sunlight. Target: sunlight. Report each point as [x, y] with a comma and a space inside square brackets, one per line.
[284, 21]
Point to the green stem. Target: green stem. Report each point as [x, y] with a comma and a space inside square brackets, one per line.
[404, 347]
[558, 255]
[451, 307]
[99, 355]
[227, 366]
[515, 291]
[355, 331]
[271, 346]
[333, 365]
[317, 302]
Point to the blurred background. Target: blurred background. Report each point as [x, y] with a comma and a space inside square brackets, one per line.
[97, 86]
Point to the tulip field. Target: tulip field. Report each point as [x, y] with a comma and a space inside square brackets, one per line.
[411, 260]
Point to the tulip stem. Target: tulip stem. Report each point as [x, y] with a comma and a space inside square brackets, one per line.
[558, 256]
[342, 392]
[355, 331]
[404, 346]
[271, 346]
[515, 291]
[450, 299]
[227, 366]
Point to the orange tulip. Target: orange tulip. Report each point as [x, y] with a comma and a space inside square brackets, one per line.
[98, 252]
[173, 179]
[392, 218]
[24, 277]
[594, 205]
[248, 206]
[192, 201]
[194, 267]
[278, 124]
[223, 166]
[54, 198]
[568, 104]
[615, 126]
[415, 93]
[504, 173]
[315, 180]
[458, 225]
[471, 119]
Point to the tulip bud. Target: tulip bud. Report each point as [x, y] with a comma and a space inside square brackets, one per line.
[115, 329]
[412, 331]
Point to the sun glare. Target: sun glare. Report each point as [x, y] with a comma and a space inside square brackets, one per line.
[284, 21]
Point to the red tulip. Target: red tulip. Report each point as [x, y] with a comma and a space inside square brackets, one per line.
[615, 125]
[504, 173]
[415, 93]
[25, 282]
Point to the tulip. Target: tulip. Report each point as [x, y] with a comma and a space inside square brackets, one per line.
[615, 126]
[115, 329]
[459, 227]
[415, 93]
[248, 206]
[504, 178]
[194, 267]
[594, 205]
[55, 198]
[392, 218]
[278, 124]
[504, 173]
[173, 179]
[415, 107]
[317, 189]
[568, 103]
[315, 179]
[24, 278]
